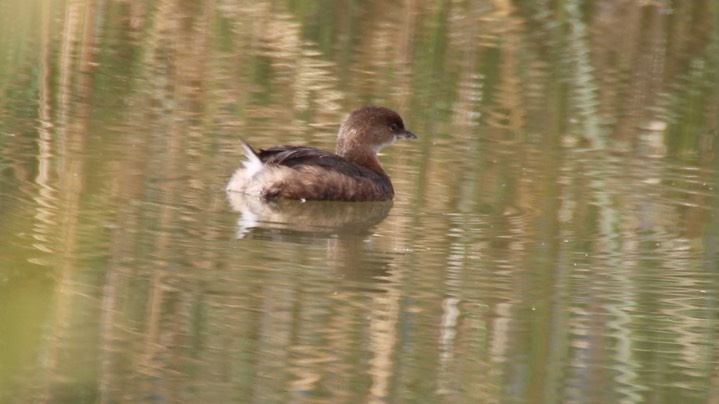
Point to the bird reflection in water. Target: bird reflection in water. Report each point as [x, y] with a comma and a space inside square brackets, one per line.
[346, 227]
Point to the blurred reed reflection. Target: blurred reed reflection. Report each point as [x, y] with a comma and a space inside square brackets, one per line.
[553, 239]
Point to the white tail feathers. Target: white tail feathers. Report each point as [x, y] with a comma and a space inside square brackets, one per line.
[244, 175]
[253, 165]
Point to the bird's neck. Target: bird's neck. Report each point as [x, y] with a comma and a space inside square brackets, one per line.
[359, 154]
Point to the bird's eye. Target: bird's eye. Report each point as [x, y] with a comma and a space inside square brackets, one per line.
[394, 127]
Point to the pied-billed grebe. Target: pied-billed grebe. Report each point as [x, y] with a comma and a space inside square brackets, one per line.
[306, 173]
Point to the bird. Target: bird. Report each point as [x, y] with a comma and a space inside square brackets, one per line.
[351, 174]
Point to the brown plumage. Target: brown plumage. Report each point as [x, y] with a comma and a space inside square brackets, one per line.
[301, 172]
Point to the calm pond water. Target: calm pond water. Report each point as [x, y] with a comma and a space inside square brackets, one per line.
[554, 237]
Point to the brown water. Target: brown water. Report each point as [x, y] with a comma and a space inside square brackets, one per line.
[554, 236]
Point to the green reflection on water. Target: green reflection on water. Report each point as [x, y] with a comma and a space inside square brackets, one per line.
[553, 238]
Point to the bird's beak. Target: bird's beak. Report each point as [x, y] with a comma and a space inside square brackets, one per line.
[405, 134]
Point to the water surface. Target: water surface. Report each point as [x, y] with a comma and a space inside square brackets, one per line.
[554, 237]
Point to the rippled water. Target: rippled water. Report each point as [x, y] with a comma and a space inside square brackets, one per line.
[554, 237]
